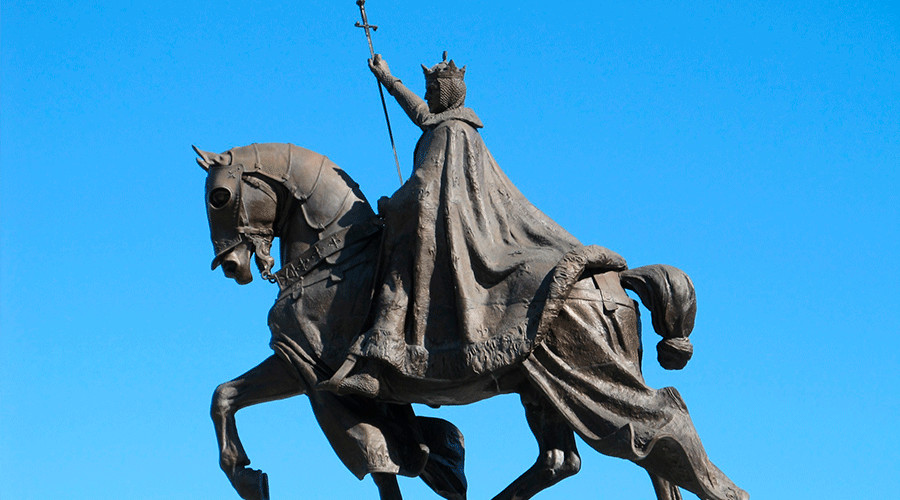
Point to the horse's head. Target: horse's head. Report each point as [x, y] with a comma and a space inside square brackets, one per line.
[241, 209]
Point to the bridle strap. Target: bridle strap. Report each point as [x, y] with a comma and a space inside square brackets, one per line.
[255, 231]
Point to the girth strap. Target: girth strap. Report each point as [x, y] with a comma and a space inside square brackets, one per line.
[322, 249]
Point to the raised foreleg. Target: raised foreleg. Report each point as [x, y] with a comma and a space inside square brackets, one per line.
[388, 489]
[665, 489]
[268, 381]
[557, 459]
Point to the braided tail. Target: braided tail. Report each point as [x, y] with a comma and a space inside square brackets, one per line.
[669, 295]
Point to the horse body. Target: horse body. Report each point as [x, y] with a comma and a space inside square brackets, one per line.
[329, 249]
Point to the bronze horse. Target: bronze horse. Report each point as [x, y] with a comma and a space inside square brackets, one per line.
[581, 373]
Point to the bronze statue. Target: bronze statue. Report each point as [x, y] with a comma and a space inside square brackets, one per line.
[459, 290]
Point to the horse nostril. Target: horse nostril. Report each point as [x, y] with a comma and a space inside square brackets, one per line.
[229, 267]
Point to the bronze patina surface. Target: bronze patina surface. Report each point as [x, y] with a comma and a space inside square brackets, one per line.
[458, 290]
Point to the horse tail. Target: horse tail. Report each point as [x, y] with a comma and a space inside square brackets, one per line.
[669, 295]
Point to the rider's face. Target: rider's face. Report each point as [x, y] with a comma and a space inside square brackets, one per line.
[433, 96]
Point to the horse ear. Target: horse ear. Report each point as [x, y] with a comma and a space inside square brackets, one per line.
[203, 161]
[208, 159]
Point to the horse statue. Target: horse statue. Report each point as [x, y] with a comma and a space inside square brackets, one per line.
[578, 369]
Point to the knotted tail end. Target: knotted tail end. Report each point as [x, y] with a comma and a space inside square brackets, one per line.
[669, 295]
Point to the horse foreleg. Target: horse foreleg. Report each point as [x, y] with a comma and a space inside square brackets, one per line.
[268, 381]
[388, 489]
[665, 490]
[558, 457]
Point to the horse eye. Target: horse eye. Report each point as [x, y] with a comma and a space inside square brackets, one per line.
[219, 197]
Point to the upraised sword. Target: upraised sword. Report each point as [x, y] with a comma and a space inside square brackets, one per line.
[366, 26]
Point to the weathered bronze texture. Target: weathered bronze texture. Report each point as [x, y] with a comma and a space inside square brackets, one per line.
[458, 290]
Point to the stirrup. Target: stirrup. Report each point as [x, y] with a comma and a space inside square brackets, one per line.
[333, 384]
[363, 383]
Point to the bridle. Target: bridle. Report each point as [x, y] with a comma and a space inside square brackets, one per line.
[230, 223]
[228, 216]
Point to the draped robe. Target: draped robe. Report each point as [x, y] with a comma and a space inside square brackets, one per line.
[464, 257]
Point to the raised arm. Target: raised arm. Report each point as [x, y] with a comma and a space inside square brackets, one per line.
[415, 106]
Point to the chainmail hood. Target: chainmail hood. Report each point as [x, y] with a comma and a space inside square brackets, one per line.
[450, 82]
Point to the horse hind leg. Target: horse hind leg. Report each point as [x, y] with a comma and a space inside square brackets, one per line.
[268, 381]
[557, 459]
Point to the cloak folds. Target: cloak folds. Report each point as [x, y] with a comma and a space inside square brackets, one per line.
[464, 261]
[588, 367]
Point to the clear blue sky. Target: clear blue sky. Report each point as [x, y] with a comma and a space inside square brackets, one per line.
[754, 145]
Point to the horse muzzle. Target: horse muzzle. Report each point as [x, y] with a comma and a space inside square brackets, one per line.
[235, 263]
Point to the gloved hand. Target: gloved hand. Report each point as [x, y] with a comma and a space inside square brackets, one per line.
[380, 69]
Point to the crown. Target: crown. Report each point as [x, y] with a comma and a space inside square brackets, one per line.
[444, 69]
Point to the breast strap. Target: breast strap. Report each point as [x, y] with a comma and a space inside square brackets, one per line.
[291, 272]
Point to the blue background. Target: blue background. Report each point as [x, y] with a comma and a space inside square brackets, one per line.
[754, 145]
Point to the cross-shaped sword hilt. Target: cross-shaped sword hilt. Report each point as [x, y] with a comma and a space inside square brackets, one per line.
[366, 26]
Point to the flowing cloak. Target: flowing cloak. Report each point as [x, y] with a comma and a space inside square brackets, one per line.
[464, 260]
[467, 267]
[587, 365]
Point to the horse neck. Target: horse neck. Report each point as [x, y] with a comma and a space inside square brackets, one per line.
[318, 199]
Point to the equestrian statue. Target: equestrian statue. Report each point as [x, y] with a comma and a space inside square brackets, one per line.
[457, 290]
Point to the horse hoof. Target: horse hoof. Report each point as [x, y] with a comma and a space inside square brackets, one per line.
[251, 484]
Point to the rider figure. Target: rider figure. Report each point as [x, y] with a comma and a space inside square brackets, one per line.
[464, 252]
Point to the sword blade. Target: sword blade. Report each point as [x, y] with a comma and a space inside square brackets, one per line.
[366, 26]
